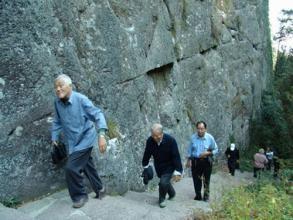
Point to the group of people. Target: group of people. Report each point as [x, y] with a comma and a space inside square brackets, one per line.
[264, 160]
[82, 124]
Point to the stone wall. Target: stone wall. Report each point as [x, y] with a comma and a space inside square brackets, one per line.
[168, 61]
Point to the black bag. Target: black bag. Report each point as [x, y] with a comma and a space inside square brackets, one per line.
[147, 174]
[59, 153]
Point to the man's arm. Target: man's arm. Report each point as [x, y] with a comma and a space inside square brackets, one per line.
[56, 126]
[94, 114]
[237, 154]
[147, 155]
[97, 116]
[189, 154]
[214, 147]
[212, 150]
[189, 150]
[176, 158]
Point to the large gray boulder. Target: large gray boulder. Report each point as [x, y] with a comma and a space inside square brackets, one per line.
[168, 61]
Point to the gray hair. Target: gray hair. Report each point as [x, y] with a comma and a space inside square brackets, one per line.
[64, 78]
[157, 128]
[261, 150]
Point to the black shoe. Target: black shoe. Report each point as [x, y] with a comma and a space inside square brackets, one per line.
[101, 194]
[198, 198]
[80, 203]
[206, 199]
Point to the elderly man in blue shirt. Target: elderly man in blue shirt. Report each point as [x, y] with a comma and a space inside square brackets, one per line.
[78, 118]
[200, 151]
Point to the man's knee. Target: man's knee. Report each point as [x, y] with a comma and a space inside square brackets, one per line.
[71, 169]
[164, 182]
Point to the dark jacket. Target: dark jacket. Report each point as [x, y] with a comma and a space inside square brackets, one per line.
[232, 155]
[166, 156]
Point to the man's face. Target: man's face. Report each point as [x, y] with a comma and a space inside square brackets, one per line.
[201, 130]
[157, 136]
[62, 89]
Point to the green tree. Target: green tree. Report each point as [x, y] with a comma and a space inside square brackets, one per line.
[274, 126]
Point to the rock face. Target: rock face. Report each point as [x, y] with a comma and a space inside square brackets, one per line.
[168, 61]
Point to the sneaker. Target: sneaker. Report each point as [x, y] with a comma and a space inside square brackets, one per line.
[162, 204]
[80, 203]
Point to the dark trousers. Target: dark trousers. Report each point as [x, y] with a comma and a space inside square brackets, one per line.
[81, 162]
[257, 172]
[165, 186]
[269, 164]
[201, 171]
[232, 166]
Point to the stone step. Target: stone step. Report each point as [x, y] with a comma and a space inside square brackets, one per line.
[132, 205]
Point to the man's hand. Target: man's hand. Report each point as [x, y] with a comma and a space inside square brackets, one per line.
[54, 143]
[188, 163]
[102, 144]
[176, 178]
[205, 154]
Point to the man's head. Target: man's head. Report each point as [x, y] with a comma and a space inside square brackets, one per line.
[63, 86]
[157, 132]
[261, 151]
[232, 146]
[201, 127]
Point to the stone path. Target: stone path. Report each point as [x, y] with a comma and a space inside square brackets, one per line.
[132, 205]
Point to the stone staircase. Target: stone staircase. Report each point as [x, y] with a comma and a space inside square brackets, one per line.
[132, 205]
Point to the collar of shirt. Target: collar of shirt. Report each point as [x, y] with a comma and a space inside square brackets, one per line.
[70, 100]
[159, 143]
[198, 137]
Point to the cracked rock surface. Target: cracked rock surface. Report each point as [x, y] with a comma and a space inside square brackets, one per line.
[168, 61]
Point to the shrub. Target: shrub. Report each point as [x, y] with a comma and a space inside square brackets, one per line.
[11, 202]
[262, 200]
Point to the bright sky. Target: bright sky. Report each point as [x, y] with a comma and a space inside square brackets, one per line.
[275, 8]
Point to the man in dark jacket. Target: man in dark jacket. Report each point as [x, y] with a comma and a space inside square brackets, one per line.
[167, 161]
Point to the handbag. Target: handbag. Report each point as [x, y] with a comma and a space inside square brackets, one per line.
[59, 153]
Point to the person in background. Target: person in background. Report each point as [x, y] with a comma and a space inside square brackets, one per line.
[77, 117]
[269, 156]
[199, 157]
[260, 161]
[232, 154]
[276, 162]
[167, 161]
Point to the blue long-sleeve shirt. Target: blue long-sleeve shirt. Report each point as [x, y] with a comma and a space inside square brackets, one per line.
[77, 119]
[198, 145]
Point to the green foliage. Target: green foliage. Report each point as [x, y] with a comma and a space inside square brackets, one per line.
[271, 129]
[286, 24]
[113, 131]
[232, 138]
[274, 125]
[11, 202]
[260, 201]
[246, 160]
